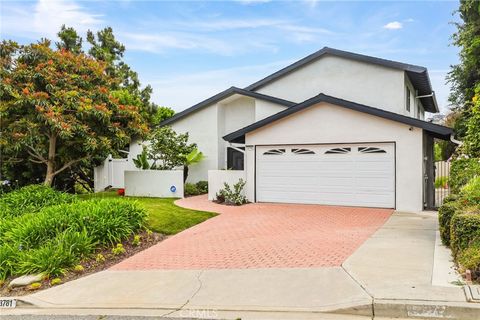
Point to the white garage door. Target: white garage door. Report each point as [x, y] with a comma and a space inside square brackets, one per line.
[345, 174]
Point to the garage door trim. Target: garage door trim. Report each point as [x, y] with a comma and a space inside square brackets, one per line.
[328, 143]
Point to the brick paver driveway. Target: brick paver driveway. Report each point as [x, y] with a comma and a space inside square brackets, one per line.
[263, 236]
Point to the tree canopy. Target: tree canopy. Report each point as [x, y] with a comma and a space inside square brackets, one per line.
[57, 107]
[465, 76]
[64, 109]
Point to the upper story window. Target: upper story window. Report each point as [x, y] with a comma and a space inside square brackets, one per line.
[407, 99]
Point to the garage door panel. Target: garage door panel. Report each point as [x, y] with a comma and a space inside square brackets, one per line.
[360, 175]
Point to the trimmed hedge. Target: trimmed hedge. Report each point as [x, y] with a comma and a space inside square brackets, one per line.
[445, 215]
[464, 232]
[195, 189]
[470, 258]
[470, 193]
[31, 198]
[462, 171]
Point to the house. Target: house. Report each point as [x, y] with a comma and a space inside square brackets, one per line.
[335, 128]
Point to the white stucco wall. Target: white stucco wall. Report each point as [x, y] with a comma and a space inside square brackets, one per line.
[265, 109]
[202, 128]
[325, 123]
[217, 178]
[360, 82]
[236, 113]
[154, 183]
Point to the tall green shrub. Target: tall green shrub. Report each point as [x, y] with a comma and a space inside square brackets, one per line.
[462, 171]
[445, 215]
[31, 198]
[464, 231]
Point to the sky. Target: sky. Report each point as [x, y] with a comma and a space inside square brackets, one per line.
[190, 50]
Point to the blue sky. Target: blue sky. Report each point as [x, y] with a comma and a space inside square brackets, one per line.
[190, 50]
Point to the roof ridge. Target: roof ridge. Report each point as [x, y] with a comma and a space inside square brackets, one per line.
[439, 130]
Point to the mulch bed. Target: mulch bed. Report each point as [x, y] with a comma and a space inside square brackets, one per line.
[91, 265]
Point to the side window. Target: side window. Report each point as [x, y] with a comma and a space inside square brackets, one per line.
[407, 99]
[274, 152]
[302, 151]
[338, 151]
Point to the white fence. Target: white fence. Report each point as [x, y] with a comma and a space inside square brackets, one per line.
[216, 179]
[110, 174]
[154, 183]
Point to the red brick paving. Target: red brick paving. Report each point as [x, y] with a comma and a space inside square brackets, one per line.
[263, 236]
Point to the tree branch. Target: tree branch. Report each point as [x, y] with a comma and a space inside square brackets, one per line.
[68, 164]
[34, 153]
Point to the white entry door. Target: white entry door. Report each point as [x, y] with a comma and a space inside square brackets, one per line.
[344, 174]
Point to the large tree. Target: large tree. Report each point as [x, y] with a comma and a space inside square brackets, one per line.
[57, 107]
[464, 76]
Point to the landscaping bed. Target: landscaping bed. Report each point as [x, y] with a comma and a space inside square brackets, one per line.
[91, 265]
[459, 218]
[62, 237]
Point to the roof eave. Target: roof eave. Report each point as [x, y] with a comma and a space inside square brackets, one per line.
[436, 130]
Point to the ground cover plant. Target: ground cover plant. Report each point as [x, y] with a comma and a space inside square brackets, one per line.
[51, 239]
[66, 236]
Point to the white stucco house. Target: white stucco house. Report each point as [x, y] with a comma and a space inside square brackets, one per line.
[334, 128]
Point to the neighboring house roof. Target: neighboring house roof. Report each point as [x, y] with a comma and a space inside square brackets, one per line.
[225, 94]
[436, 130]
[418, 75]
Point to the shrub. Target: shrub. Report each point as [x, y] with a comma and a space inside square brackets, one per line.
[450, 198]
[470, 193]
[470, 258]
[56, 256]
[31, 199]
[58, 237]
[445, 214]
[78, 268]
[136, 240]
[464, 231]
[118, 250]
[234, 196]
[34, 286]
[100, 258]
[461, 171]
[441, 182]
[191, 189]
[202, 187]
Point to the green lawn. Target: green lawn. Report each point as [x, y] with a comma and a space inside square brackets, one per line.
[164, 216]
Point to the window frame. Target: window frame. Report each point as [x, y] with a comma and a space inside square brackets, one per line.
[408, 99]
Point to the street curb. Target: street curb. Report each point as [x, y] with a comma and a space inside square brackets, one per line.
[426, 309]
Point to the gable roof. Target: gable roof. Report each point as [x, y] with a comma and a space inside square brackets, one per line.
[418, 75]
[225, 94]
[436, 130]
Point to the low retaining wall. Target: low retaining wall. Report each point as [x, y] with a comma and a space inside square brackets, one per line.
[154, 183]
[216, 179]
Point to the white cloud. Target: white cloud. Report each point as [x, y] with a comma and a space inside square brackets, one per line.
[247, 2]
[227, 24]
[45, 18]
[161, 42]
[312, 3]
[394, 25]
[183, 91]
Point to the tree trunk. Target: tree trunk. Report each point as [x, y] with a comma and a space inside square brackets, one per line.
[51, 161]
[185, 173]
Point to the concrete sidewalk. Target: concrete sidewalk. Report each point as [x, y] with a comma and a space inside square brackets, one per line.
[390, 275]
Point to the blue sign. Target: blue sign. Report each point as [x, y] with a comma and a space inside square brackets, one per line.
[173, 188]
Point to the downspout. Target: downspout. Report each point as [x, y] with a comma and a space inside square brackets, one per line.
[457, 142]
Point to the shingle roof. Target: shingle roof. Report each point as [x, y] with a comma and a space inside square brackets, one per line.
[224, 94]
[418, 75]
[436, 130]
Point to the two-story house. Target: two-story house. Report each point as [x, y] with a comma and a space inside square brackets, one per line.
[334, 128]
